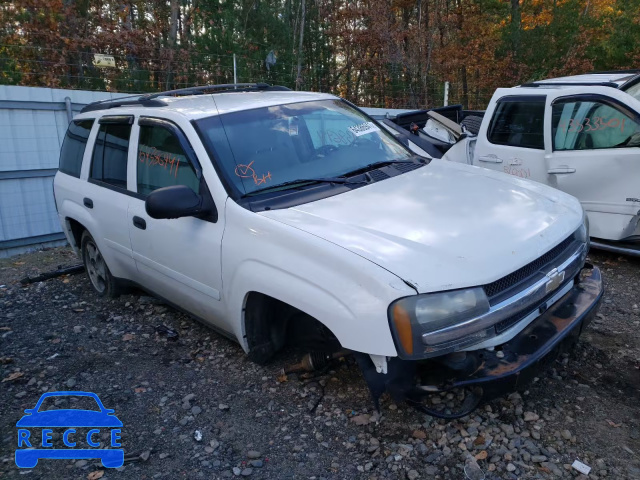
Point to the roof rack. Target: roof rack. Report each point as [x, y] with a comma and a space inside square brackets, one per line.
[151, 99]
[121, 102]
[570, 84]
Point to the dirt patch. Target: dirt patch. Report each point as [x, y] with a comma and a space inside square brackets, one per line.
[16, 268]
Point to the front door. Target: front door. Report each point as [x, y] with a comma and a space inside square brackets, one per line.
[593, 153]
[178, 259]
[513, 141]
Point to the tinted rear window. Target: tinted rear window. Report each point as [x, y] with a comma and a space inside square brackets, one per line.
[518, 123]
[109, 164]
[75, 142]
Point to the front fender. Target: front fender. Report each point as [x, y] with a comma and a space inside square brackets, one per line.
[345, 292]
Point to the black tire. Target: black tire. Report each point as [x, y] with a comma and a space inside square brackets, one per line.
[472, 124]
[96, 267]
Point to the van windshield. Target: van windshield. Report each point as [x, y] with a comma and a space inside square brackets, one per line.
[270, 146]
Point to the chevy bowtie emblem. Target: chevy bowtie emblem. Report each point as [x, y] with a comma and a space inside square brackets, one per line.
[555, 280]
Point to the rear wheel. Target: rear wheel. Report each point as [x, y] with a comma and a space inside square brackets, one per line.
[94, 263]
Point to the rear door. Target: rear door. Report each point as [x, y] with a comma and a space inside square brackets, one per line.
[178, 259]
[106, 197]
[593, 153]
[513, 140]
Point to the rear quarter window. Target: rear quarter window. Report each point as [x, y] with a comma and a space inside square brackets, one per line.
[73, 147]
[518, 122]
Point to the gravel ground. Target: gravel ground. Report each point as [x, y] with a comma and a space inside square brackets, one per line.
[58, 335]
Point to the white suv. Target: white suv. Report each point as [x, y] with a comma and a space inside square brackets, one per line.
[292, 218]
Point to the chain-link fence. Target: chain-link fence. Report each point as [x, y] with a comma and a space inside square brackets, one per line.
[391, 87]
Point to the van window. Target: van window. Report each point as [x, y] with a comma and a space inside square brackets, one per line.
[518, 122]
[109, 163]
[73, 147]
[162, 162]
[591, 125]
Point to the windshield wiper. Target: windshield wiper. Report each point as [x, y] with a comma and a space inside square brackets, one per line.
[305, 181]
[375, 165]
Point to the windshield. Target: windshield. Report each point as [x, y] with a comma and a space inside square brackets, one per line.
[273, 145]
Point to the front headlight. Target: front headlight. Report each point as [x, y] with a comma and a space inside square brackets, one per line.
[412, 317]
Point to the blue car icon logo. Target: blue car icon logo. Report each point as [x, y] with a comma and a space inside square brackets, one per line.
[36, 431]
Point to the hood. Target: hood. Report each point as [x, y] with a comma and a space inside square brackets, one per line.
[443, 226]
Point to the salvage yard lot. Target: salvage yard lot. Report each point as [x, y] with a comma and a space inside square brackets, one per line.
[58, 335]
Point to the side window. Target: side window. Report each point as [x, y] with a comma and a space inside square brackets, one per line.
[591, 125]
[109, 163]
[73, 147]
[162, 162]
[518, 123]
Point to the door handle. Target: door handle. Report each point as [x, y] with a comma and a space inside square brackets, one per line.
[139, 223]
[490, 159]
[561, 170]
[87, 202]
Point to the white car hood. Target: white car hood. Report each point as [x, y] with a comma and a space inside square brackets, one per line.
[444, 225]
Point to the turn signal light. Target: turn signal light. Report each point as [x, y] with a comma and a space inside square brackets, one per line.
[402, 322]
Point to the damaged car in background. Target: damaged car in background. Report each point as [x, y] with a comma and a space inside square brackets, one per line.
[285, 218]
[579, 134]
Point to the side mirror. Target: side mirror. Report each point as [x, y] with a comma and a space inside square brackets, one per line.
[29, 411]
[174, 202]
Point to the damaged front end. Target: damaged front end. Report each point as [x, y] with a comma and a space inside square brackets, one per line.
[514, 331]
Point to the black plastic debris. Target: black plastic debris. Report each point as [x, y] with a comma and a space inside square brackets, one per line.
[75, 269]
[170, 333]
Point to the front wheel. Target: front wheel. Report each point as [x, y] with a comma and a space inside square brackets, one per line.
[94, 263]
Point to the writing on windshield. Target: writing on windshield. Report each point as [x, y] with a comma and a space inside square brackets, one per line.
[281, 143]
[246, 171]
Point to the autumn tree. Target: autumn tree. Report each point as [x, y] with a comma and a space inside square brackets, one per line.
[395, 53]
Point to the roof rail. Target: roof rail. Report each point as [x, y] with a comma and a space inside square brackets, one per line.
[151, 99]
[570, 84]
[242, 87]
[121, 102]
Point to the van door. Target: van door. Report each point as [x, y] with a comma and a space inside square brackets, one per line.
[593, 153]
[178, 259]
[513, 141]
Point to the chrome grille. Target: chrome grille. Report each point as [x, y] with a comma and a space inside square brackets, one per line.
[521, 275]
[513, 319]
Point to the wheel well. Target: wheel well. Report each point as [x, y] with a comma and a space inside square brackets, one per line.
[271, 325]
[76, 231]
